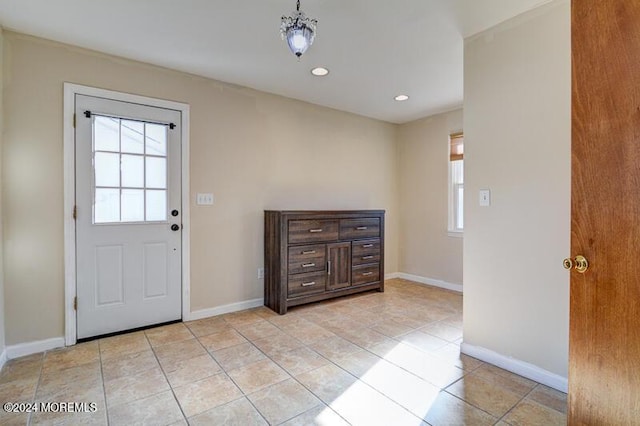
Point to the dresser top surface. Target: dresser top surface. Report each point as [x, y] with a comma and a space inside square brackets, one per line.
[327, 212]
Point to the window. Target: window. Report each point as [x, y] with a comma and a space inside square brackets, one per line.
[456, 183]
[130, 170]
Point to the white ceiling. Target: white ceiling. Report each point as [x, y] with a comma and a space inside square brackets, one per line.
[375, 49]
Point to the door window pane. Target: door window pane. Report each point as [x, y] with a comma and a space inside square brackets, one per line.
[133, 171]
[459, 206]
[156, 139]
[107, 169]
[132, 136]
[132, 205]
[106, 134]
[130, 168]
[107, 205]
[156, 172]
[156, 205]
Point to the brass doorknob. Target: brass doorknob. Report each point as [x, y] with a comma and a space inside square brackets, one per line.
[567, 263]
[580, 263]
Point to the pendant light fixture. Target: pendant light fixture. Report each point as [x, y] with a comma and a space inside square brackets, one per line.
[298, 30]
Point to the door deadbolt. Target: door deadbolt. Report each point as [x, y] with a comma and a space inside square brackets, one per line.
[580, 264]
[174, 213]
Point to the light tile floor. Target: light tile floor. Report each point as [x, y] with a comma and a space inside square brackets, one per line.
[388, 358]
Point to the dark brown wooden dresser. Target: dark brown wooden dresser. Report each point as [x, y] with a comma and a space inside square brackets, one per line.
[316, 255]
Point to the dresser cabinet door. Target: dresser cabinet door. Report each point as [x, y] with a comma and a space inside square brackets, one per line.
[339, 265]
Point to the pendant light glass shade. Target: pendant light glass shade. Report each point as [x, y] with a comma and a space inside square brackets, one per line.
[299, 31]
[299, 40]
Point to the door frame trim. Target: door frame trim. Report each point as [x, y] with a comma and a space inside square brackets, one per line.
[70, 284]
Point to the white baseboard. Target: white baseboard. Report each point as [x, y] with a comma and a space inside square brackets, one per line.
[391, 276]
[428, 281]
[516, 366]
[3, 358]
[24, 349]
[225, 309]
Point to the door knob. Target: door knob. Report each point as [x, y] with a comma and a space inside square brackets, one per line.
[175, 227]
[580, 264]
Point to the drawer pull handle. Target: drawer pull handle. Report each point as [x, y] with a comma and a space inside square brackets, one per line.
[315, 231]
[309, 284]
[366, 274]
[309, 252]
[308, 265]
[367, 245]
[361, 228]
[367, 257]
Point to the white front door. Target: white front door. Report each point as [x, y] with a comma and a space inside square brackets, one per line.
[128, 225]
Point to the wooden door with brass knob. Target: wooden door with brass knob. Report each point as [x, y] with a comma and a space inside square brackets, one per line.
[604, 348]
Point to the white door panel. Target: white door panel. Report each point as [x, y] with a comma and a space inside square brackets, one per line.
[128, 174]
[109, 286]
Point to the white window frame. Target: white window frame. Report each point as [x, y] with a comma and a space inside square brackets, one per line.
[452, 229]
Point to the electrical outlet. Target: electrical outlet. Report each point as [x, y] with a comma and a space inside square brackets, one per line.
[204, 199]
[260, 273]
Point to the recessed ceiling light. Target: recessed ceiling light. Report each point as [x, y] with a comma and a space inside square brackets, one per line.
[319, 71]
[401, 98]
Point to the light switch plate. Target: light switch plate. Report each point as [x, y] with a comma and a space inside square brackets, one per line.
[204, 199]
[485, 198]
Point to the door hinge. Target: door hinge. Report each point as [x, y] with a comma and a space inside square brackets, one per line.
[75, 303]
[74, 121]
[75, 212]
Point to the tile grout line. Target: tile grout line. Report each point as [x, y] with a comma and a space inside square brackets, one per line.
[175, 398]
[35, 391]
[308, 346]
[357, 380]
[236, 328]
[471, 404]
[244, 395]
[482, 409]
[147, 369]
[291, 376]
[517, 403]
[414, 374]
[104, 387]
[442, 389]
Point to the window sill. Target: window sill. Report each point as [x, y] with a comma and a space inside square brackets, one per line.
[456, 234]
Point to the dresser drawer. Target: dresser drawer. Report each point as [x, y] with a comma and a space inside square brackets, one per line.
[306, 284]
[365, 274]
[365, 251]
[309, 231]
[304, 259]
[359, 228]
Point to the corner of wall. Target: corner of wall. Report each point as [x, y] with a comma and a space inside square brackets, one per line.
[3, 356]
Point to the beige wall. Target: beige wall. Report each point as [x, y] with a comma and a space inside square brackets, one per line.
[517, 117]
[252, 150]
[426, 249]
